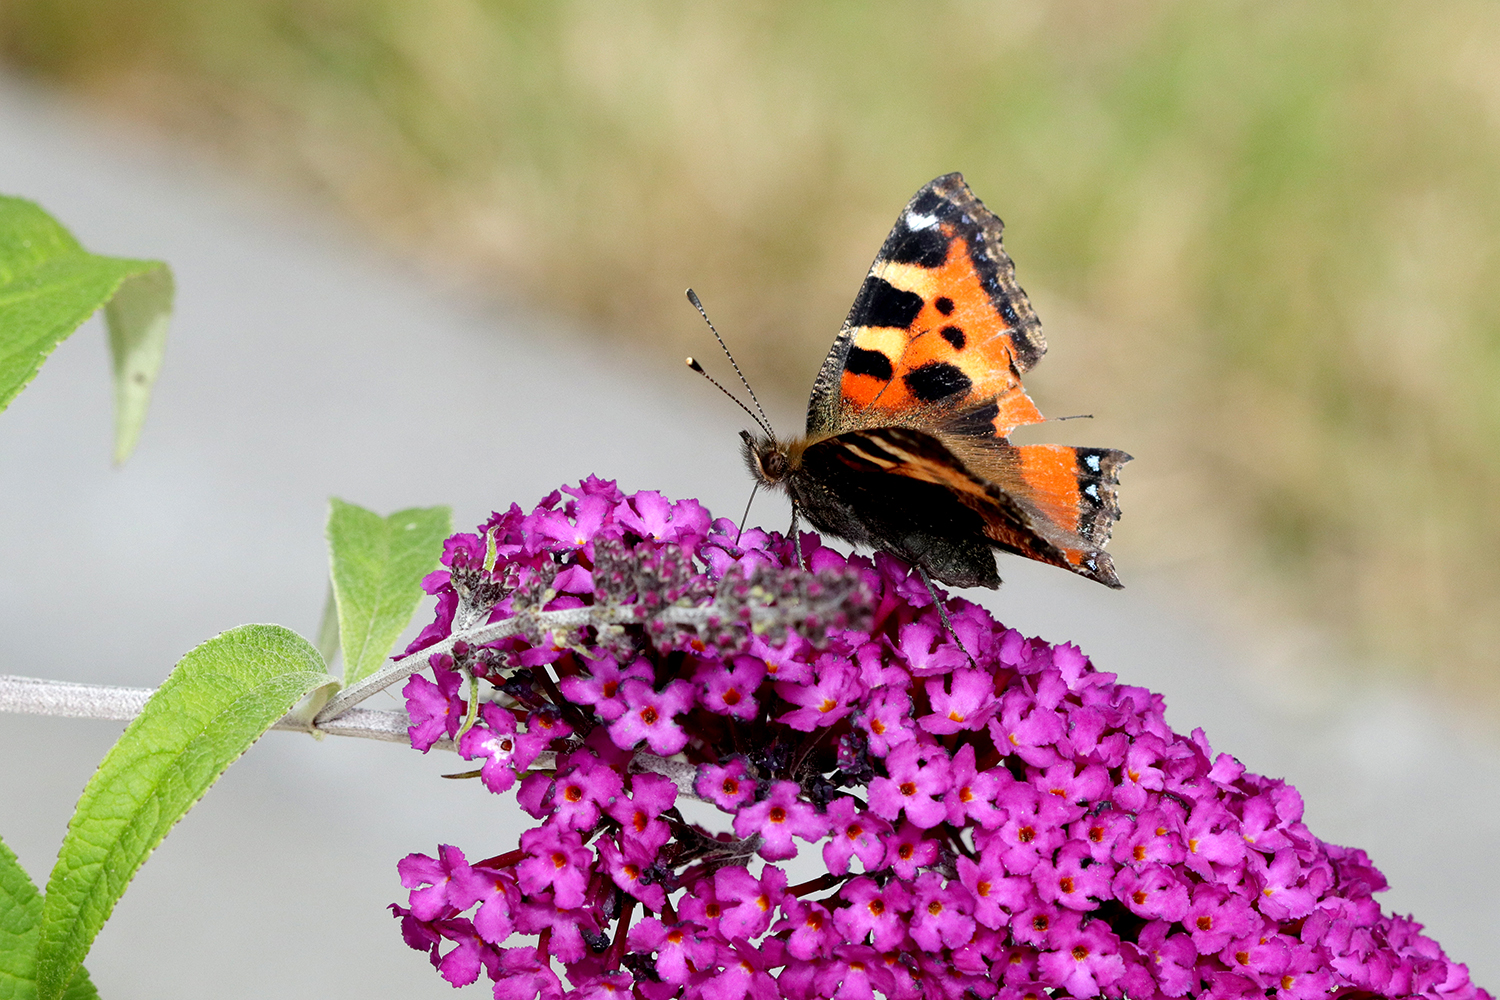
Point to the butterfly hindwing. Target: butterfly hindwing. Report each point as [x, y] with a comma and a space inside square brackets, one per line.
[939, 324]
[915, 497]
[1067, 494]
[902, 491]
[1075, 488]
[936, 499]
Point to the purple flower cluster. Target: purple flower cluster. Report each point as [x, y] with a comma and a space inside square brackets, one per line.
[995, 817]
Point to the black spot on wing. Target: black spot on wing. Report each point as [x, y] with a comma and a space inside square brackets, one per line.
[924, 247]
[944, 305]
[871, 363]
[881, 303]
[927, 202]
[954, 336]
[936, 380]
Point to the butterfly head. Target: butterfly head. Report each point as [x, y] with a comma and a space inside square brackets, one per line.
[768, 459]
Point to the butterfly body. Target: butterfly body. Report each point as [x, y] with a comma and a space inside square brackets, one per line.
[907, 447]
[840, 487]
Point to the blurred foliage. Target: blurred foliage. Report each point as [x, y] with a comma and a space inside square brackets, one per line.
[1263, 237]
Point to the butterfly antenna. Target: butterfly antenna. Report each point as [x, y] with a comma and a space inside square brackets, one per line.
[1076, 416]
[764, 421]
[695, 366]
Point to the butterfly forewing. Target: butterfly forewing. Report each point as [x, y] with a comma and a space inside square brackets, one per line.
[939, 324]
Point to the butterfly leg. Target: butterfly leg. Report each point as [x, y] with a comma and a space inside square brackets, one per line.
[942, 611]
[943, 614]
[796, 537]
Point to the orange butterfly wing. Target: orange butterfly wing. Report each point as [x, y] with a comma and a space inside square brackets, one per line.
[939, 325]
[936, 343]
[1067, 493]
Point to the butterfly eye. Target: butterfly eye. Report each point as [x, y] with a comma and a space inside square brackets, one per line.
[768, 461]
[772, 462]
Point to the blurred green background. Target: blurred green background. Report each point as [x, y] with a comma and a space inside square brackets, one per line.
[1262, 237]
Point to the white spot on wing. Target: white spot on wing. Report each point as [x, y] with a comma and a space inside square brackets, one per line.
[1092, 461]
[916, 223]
[1092, 490]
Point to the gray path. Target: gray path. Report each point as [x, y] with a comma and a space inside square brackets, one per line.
[301, 366]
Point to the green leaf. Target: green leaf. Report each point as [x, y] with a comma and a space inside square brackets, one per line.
[328, 628]
[49, 285]
[137, 319]
[377, 565]
[218, 700]
[20, 918]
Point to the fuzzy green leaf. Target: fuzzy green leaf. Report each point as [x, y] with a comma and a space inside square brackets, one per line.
[49, 285]
[377, 564]
[218, 700]
[20, 918]
[328, 628]
[137, 318]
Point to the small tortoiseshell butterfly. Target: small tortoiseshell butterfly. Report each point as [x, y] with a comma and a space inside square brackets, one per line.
[907, 444]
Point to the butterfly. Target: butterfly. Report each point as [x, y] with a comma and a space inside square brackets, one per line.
[907, 447]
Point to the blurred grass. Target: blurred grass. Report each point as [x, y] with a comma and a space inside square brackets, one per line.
[1263, 238]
